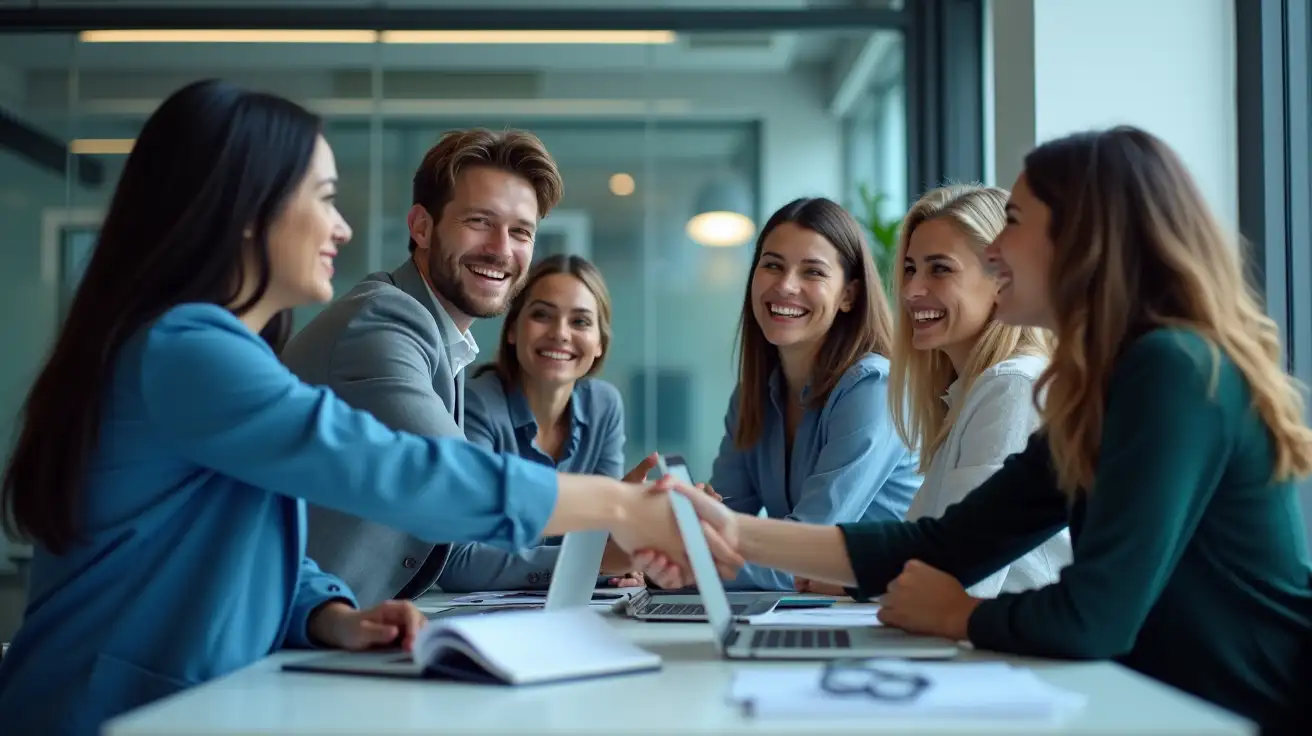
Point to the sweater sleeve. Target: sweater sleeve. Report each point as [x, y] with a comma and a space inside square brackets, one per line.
[1165, 444]
[222, 400]
[1012, 512]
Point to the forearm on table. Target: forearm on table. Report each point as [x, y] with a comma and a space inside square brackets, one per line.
[811, 551]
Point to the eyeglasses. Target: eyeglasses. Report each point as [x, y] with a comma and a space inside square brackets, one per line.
[863, 677]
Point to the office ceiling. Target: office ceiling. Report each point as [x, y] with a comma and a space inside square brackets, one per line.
[667, 159]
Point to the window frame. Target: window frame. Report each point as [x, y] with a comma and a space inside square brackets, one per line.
[1275, 170]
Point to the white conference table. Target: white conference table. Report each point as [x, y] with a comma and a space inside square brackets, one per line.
[687, 696]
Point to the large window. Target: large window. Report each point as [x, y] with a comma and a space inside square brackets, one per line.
[1275, 167]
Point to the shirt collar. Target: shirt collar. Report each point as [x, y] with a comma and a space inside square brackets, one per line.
[522, 416]
[950, 395]
[779, 390]
[463, 347]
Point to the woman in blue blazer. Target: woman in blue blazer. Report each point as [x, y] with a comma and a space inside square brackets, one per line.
[164, 451]
[809, 435]
[540, 402]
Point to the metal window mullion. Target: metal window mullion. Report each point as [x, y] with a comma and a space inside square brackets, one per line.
[1298, 217]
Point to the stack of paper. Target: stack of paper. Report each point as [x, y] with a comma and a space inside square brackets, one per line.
[955, 690]
[839, 616]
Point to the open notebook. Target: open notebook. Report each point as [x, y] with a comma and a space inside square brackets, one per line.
[563, 640]
[511, 648]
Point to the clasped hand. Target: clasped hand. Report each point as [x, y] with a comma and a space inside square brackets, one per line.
[647, 524]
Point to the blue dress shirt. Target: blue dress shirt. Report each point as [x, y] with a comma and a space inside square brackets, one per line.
[499, 418]
[193, 563]
[847, 462]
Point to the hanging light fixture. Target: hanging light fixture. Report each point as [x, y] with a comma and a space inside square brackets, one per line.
[720, 218]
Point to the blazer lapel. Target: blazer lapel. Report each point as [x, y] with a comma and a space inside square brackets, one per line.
[407, 278]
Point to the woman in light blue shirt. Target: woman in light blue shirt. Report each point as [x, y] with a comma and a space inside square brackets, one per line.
[164, 450]
[809, 435]
[540, 402]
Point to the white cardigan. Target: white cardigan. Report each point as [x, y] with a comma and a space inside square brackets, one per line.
[996, 420]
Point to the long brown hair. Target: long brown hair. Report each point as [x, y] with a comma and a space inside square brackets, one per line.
[866, 328]
[506, 364]
[919, 378]
[1136, 248]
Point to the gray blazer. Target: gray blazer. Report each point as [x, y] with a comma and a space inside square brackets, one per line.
[382, 348]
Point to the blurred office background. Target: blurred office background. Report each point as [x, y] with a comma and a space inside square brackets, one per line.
[649, 129]
[656, 111]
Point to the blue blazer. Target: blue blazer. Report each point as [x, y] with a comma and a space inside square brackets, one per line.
[847, 463]
[498, 418]
[193, 563]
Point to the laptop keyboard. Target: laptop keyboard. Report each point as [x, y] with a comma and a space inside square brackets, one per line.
[801, 639]
[685, 609]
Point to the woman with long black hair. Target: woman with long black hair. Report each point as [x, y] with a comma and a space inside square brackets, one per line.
[164, 451]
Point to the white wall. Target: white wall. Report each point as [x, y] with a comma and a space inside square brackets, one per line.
[1168, 66]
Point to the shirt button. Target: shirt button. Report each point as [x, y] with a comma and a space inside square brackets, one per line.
[410, 562]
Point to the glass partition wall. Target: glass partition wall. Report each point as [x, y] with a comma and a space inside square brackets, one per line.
[651, 134]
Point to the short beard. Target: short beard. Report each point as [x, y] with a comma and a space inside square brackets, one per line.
[444, 275]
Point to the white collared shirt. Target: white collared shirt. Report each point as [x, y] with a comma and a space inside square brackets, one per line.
[464, 350]
[996, 419]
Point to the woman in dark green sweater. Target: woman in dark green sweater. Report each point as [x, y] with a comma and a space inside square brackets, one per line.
[1171, 443]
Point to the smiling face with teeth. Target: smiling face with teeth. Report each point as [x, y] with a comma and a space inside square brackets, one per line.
[476, 254]
[798, 287]
[557, 336]
[947, 294]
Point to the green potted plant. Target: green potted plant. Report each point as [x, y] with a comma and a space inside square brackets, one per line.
[883, 232]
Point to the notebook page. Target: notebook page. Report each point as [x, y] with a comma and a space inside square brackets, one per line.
[538, 645]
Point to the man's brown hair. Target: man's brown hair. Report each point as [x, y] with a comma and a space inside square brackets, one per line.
[514, 151]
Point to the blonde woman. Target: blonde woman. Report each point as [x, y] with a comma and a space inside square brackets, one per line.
[962, 388]
[1172, 445]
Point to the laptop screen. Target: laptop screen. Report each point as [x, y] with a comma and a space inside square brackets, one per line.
[575, 575]
[711, 590]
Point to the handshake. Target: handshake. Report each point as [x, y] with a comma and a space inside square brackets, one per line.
[644, 537]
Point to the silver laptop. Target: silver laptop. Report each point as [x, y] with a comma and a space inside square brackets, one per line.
[737, 641]
[676, 606]
[572, 584]
[649, 606]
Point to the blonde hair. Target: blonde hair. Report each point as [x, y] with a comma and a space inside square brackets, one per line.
[1135, 248]
[921, 377]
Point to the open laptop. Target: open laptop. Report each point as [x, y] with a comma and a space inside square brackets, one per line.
[650, 605]
[737, 641]
[572, 583]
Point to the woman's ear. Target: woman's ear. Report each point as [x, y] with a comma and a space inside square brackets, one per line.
[849, 296]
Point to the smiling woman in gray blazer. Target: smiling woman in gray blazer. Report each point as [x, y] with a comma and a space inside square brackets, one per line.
[539, 401]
